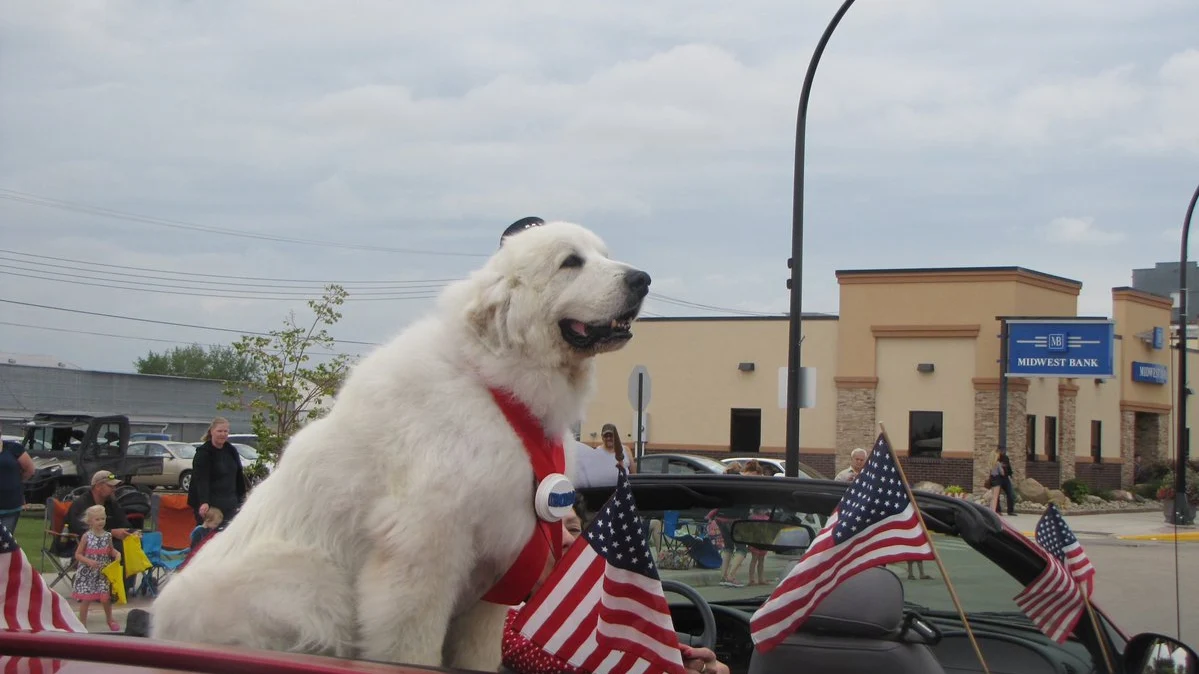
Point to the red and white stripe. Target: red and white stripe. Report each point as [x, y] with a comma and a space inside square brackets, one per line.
[14, 665]
[29, 604]
[1053, 601]
[603, 619]
[1080, 567]
[826, 564]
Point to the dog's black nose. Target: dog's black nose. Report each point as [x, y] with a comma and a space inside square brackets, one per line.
[637, 281]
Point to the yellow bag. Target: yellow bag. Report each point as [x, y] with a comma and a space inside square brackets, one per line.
[116, 578]
[136, 560]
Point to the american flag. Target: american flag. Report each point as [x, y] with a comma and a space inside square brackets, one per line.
[1055, 536]
[875, 524]
[602, 609]
[30, 605]
[15, 665]
[1053, 601]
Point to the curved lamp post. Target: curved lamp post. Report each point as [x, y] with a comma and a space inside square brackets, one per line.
[795, 334]
[1182, 509]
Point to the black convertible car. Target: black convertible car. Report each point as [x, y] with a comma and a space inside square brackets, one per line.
[894, 619]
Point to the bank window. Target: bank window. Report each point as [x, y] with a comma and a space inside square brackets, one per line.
[925, 430]
[1051, 438]
[1097, 441]
[1030, 437]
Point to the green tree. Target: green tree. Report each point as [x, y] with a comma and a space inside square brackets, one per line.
[215, 362]
[292, 389]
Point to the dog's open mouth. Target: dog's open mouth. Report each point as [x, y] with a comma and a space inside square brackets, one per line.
[588, 336]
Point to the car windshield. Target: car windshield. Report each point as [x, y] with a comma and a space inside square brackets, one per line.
[246, 452]
[704, 543]
[710, 464]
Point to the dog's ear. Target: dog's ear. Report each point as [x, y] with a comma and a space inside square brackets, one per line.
[487, 312]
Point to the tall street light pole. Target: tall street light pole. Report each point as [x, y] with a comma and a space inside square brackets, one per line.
[1182, 509]
[795, 333]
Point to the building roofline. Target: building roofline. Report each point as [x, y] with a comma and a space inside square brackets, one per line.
[1143, 297]
[815, 316]
[957, 270]
[112, 372]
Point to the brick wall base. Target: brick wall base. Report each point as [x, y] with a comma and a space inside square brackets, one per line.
[825, 463]
[1099, 475]
[1047, 473]
[944, 472]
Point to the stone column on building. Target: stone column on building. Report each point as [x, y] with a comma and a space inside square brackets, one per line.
[856, 416]
[1152, 437]
[1128, 441]
[1067, 415]
[986, 426]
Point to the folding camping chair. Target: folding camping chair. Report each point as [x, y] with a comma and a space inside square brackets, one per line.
[685, 545]
[57, 544]
[168, 545]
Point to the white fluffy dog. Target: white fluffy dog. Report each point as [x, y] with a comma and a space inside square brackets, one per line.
[386, 521]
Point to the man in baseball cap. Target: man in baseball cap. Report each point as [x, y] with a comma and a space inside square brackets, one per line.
[105, 477]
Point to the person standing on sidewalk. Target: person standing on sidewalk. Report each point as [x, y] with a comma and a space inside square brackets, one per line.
[1006, 484]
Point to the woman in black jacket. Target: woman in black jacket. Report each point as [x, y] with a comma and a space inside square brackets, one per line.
[218, 480]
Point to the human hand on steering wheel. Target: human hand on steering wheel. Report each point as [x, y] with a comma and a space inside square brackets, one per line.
[702, 660]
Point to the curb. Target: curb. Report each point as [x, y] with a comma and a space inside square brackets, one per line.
[1182, 537]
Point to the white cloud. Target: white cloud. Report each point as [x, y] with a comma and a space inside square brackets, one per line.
[1080, 230]
[668, 127]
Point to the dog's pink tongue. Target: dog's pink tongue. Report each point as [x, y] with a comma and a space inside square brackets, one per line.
[579, 327]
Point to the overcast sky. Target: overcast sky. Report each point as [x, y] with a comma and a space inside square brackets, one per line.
[391, 142]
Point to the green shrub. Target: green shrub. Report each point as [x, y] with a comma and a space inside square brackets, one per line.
[1106, 495]
[1147, 490]
[1075, 489]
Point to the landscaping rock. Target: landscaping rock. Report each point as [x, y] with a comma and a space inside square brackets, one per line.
[1032, 491]
[1058, 498]
[930, 487]
[1122, 495]
[1091, 499]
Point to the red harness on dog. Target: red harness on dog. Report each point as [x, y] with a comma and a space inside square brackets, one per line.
[548, 457]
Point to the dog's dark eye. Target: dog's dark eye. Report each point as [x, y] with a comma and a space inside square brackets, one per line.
[572, 261]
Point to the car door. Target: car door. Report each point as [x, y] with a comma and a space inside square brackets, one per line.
[106, 447]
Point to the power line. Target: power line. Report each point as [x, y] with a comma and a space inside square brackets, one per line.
[35, 200]
[151, 339]
[190, 274]
[290, 290]
[707, 307]
[160, 322]
[397, 295]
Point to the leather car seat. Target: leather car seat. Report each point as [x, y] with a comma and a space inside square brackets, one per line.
[854, 630]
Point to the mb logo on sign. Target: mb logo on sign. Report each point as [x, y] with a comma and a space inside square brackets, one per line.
[1060, 349]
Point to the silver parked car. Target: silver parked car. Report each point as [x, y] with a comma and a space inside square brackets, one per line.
[176, 463]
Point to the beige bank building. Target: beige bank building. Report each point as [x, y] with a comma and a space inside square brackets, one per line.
[919, 350]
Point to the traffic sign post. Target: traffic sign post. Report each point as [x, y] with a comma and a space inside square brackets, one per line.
[639, 391]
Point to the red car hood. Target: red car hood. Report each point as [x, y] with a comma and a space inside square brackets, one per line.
[72, 653]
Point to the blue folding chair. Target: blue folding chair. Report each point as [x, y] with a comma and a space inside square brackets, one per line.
[163, 563]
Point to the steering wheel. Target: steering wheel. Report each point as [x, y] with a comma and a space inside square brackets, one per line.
[708, 638]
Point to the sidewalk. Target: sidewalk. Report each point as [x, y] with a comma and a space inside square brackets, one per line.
[1135, 526]
[95, 615]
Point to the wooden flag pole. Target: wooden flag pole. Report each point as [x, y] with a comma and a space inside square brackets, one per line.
[1107, 657]
[953, 594]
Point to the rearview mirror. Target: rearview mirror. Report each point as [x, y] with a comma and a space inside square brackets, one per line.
[1151, 653]
[782, 537]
